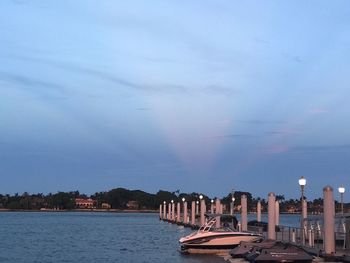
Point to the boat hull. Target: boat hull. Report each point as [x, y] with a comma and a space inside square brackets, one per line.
[226, 241]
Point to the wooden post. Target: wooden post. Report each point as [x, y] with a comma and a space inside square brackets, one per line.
[178, 212]
[173, 211]
[271, 233]
[277, 213]
[169, 211]
[212, 207]
[160, 211]
[218, 211]
[244, 213]
[164, 208]
[202, 218]
[258, 211]
[193, 213]
[328, 219]
[185, 213]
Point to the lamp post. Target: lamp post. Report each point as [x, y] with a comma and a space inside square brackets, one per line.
[341, 190]
[302, 183]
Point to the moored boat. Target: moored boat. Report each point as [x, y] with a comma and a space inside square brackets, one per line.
[211, 237]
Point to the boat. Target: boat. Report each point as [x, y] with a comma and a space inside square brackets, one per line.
[211, 237]
[271, 251]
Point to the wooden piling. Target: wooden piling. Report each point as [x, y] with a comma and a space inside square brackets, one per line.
[328, 219]
[193, 213]
[172, 211]
[244, 213]
[164, 208]
[202, 212]
[218, 211]
[258, 211]
[277, 213]
[178, 212]
[169, 211]
[271, 233]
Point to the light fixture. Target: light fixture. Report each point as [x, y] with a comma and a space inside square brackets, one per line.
[302, 181]
[201, 197]
[341, 190]
[183, 199]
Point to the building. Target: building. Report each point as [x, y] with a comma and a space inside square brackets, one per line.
[85, 203]
[133, 205]
[105, 206]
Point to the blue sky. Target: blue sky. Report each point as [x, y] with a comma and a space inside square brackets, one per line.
[199, 96]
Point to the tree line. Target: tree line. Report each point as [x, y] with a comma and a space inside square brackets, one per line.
[119, 198]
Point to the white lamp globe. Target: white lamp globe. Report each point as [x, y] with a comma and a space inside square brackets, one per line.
[302, 181]
[341, 190]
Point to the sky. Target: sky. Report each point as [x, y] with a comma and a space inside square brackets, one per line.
[200, 96]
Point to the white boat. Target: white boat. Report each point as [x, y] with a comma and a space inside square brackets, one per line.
[210, 237]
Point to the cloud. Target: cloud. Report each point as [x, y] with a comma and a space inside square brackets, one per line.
[215, 89]
[45, 88]
[257, 121]
[294, 58]
[322, 148]
[283, 132]
[276, 149]
[317, 111]
[144, 109]
[228, 136]
[113, 78]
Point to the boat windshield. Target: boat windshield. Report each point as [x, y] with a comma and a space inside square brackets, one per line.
[210, 226]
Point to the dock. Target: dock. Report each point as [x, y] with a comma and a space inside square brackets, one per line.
[325, 242]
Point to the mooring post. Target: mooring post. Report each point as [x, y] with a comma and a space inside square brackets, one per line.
[217, 211]
[172, 211]
[202, 218]
[212, 206]
[160, 211]
[277, 213]
[164, 212]
[258, 211]
[347, 234]
[271, 233]
[178, 210]
[193, 213]
[169, 211]
[328, 219]
[185, 213]
[244, 213]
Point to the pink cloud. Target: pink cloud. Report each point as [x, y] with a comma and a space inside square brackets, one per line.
[277, 149]
[318, 111]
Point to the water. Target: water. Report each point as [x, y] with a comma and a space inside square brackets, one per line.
[91, 237]
[292, 220]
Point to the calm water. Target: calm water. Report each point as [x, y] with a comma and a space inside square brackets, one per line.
[91, 237]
